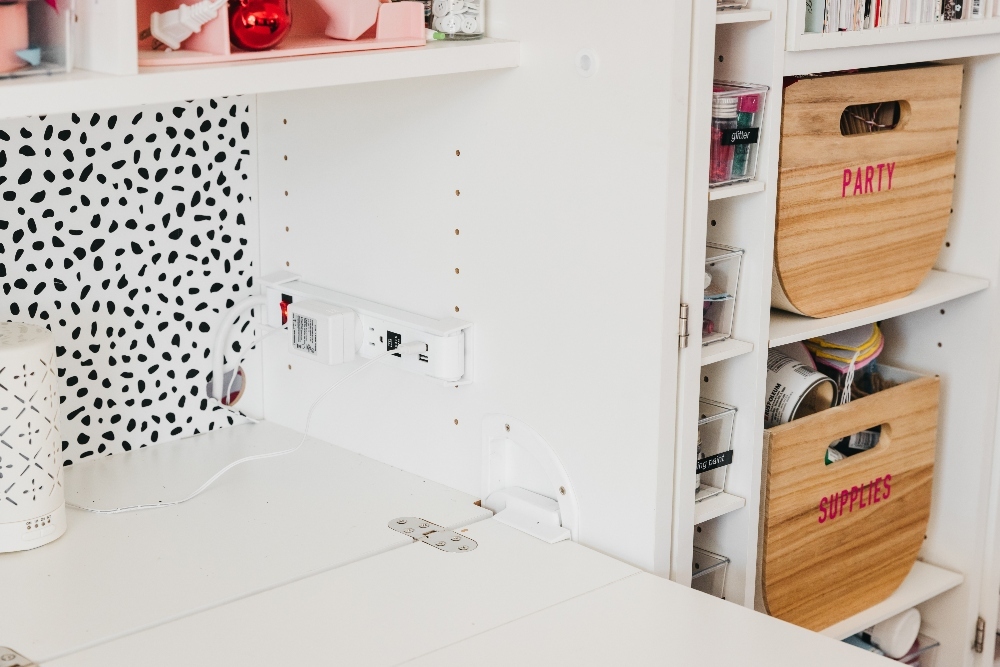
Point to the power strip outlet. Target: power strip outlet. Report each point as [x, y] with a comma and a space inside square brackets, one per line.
[449, 341]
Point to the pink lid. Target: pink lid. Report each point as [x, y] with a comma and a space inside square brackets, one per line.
[749, 104]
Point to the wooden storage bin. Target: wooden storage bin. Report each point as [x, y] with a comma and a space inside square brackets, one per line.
[822, 562]
[836, 251]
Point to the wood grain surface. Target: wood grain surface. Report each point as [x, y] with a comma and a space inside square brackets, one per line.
[816, 568]
[836, 251]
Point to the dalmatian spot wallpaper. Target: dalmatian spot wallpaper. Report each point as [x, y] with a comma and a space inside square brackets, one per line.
[128, 233]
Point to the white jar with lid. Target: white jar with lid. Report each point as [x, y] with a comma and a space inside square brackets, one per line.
[458, 19]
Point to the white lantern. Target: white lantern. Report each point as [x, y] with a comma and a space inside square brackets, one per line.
[32, 506]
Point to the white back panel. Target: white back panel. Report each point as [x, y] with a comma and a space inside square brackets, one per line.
[568, 255]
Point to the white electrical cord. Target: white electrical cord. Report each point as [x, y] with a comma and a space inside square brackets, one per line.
[408, 348]
[229, 387]
[222, 340]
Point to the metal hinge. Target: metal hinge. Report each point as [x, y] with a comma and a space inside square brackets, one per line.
[431, 533]
[11, 658]
[682, 326]
[980, 635]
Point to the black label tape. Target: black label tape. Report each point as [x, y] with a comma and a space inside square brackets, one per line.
[745, 135]
[715, 461]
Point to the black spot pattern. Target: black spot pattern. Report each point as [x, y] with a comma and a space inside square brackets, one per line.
[126, 233]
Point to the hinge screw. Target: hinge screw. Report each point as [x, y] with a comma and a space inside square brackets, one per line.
[463, 548]
[440, 544]
[401, 521]
[456, 538]
[562, 490]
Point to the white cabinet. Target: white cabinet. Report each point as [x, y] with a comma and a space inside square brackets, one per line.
[549, 184]
[945, 328]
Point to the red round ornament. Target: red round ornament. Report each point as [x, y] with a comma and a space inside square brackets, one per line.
[256, 25]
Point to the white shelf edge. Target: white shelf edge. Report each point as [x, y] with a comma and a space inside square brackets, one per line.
[735, 190]
[912, 32]
[925, 581]
[716, 506]
[88, 91]
[723, 350]
[851, 56]
[938, 287]
[741, 15]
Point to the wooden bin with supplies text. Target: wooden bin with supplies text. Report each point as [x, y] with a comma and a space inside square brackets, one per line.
[861, 217]
[837, 539]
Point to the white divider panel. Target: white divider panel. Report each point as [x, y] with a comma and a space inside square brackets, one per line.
[263, 524]
[564, 260]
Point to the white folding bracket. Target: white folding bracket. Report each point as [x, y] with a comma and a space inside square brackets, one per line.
[529, 512]
[524, 483]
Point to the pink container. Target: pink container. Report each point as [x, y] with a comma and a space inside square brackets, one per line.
[13, 35]
[374, 24]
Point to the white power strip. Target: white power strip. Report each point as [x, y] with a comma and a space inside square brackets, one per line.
[449, 341]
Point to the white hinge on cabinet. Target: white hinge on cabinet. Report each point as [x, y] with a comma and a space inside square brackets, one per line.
[682, 326]
[11, 658]
[529, 512]
[980, 635]
[437, 536]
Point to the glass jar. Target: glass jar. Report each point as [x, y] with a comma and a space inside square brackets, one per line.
[459, 19]
[723, 119]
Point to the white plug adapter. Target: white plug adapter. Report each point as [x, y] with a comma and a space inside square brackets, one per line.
[323, 332]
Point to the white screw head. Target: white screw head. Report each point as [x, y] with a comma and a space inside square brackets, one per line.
[586, 63]
[401, 521]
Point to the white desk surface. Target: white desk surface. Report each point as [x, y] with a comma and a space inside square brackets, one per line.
[645, 621]
[263, 524]
[379, 611]
[513, 601]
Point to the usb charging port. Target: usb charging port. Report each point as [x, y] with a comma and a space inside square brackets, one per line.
[423, 357]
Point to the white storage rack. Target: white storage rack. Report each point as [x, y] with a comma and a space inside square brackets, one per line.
[947, 327]
[569, 198]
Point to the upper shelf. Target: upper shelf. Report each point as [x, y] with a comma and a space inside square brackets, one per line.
[937, 287]
[87, 91]
[809, 53]
[746, 15]
[924, 582]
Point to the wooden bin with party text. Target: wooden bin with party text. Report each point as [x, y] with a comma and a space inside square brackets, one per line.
[861, 217]
[840, 538]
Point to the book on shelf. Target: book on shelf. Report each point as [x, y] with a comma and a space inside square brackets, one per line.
[853, 15]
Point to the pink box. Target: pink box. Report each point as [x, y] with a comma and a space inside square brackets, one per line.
[13, 35]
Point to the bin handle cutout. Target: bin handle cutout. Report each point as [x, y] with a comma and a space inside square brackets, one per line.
[882, 441]
[861, 119]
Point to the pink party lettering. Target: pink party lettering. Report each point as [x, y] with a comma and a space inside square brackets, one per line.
[869, 178]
